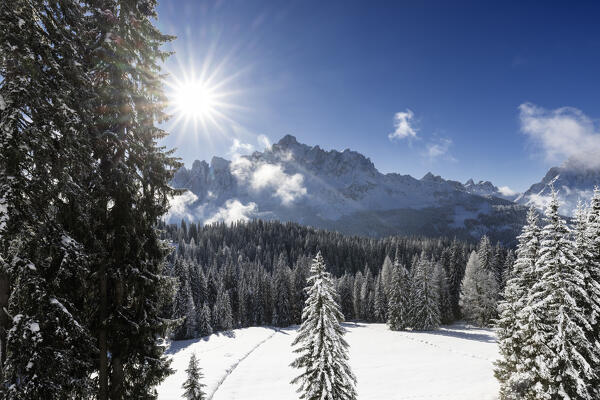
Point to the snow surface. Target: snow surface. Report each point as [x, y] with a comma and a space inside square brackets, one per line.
[453, 363]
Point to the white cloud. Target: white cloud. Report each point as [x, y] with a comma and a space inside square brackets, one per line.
[238, 148]
[287, 187]
[439, 148]
[233, 211]
[506, 191]
[241, 168]
[403, 126]
[563, 134]
[180, 207]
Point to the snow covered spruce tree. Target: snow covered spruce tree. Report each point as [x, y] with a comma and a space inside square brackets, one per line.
[399, 298]
[511, 369]
[478, 293]
[592, 243]
[221, 315]
[322, 349]
[130, 192]
[564, 357]
[193, 385]
[425, 302]
[46, 346]
[203, 321]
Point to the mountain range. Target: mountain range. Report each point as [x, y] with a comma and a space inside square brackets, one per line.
[343, 191]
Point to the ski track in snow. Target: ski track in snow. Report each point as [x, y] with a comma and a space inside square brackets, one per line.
[406, 336]
[234, 366]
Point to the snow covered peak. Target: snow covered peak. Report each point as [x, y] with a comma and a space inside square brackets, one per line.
[488, 189]
[330, 188]
[573, 183]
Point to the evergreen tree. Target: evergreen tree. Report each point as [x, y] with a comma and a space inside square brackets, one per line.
[564, 356]
[193, 386]
[479, 293]
[358, 284]
[282, 296]
[366, 296]
[380, 303]
[46, 347]
[130, 191]
[323, 352]
[592, 277]
[387, 270]
[299, 277]
[484, 252]
[185, 311]
[512, 369]
[198, 285]
[425, 304]
[222, 316]
[445, 304]
[203, 321]
[398, 302]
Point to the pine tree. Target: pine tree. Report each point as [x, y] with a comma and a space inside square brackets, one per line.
[425, 307]
[185, 311]
[380, 303]
[366, 296]
[399, 300]
[300, 275]
[358, 284]
[564, 356]
[479, 293]
[282, 296]
[387, 271]
[592, 277]
[484, 252]
[222, 316]
[323, 352]
[445, 304]
[203, 321]
[130, 192]
[46, 347]
[198, 285]
[511, 369]
[193, 385]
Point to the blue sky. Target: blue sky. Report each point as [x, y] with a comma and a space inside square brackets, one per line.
[481, 88]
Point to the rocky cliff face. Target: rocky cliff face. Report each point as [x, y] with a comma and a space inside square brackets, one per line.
[573, 183]
[342, 191]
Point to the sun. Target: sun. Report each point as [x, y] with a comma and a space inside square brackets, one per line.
[202, 100]
[195, 100]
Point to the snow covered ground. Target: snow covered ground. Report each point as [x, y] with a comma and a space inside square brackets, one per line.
[454, 363]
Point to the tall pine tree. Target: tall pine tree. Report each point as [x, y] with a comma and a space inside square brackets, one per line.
[322, 349]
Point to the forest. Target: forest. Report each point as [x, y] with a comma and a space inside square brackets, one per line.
[254, 273]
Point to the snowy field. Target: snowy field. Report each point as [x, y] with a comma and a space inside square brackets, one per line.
[454, 363]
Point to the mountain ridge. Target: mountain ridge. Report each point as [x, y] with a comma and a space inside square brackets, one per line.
[339, 190]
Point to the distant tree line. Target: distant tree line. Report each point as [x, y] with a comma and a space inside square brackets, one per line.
[254, 273]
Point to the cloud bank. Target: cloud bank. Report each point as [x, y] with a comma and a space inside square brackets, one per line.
[565, 133]
[403, 126]
[287, 187]
[180, 207]
[233, 211]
